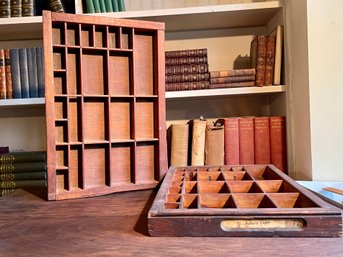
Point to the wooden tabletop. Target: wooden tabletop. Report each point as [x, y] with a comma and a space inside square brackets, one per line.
[116, 225]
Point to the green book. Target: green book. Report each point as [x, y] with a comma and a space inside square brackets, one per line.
[5, 9]
[16, 157]
[109, 6]
[115, 5]
[23, 176]
[121, 5]
[22, 184]
[90, 6]
[22, 167]
[102, 5]
[97, 6]
[5, 191]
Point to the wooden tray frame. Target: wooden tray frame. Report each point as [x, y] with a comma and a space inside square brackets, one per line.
[105, 104]
[249, 200]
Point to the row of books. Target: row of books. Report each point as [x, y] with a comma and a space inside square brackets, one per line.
[229, 141]
[21, 73]
[24, 8]
[101, 6]
[22, 170]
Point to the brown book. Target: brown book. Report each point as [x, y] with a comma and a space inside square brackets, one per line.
[198, 142]
[262, 140]
[179, 144]
[278, 32]
[2, 75]
[246, 140]
[278, 150]
[27, 8]
[233, 73]
[8, 74]
[186, 53]
[197, 85]
[23, 184]
[258, 52]
[230, 79]
[233, 85]
[16, 10]
[5, 9]
[177, 78]
[187, 69]
[270, 60]
[4, 192]
[231, 139]
[186, 60]
[214, 144]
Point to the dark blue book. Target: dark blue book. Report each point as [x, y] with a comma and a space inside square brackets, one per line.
[40, 71]
[15, 73]
[24, 75]
[32, 71]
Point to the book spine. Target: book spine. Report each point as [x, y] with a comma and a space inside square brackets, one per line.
[270, 60]
[32, 71]
[186, 69]
[262, 140]
[232, 85]
[4, 192]
[90, 6]
[8, 74]
[278, 150]
[198, 143]
[187, 86]
[27, 7]
[260, 63]
[15, 73]
[109, 6]
[40, 71]
[22, 184]
[23, 157]
[5, 9]
[187, 77]
[24, 75]
[229, 79]
[231, 141]
[214, 145]
[186, 53]
[16, 8]
[186, 60]
[121, 5]
[115, 5]
[23, 176]
[2, 75]
[22, 167]
[56, 6]
[179, 145]
[233, 73]
[246, 140]
[96, 6]
[278, 55]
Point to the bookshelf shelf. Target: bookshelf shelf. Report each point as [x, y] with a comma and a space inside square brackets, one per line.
[22, 103]
[224, 92]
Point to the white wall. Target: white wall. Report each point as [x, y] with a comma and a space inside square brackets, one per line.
[325, 55]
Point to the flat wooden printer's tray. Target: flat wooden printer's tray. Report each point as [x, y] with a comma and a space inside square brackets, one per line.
[250, 200]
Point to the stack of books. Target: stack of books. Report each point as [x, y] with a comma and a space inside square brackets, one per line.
[187, 70]
[101, 6]
[22, 73]
[22, 170]
[230, 141]
[232, 78]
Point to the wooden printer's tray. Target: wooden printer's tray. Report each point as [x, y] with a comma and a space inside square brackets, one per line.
[105, 104]
[251, 200]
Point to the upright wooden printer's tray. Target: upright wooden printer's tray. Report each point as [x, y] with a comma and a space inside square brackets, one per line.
[250, 200]
[105, 104]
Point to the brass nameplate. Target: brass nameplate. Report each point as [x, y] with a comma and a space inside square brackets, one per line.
[262, 224]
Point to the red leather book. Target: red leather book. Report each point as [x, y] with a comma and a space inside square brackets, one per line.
[2, 75]
[233, 73]
[258, 52]
[187, 69]
[186, 53]
[270, 60]
[231, 141]
[262, 140]
[196, 85]
[246, 140]
[278, 149]
[8, 74]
